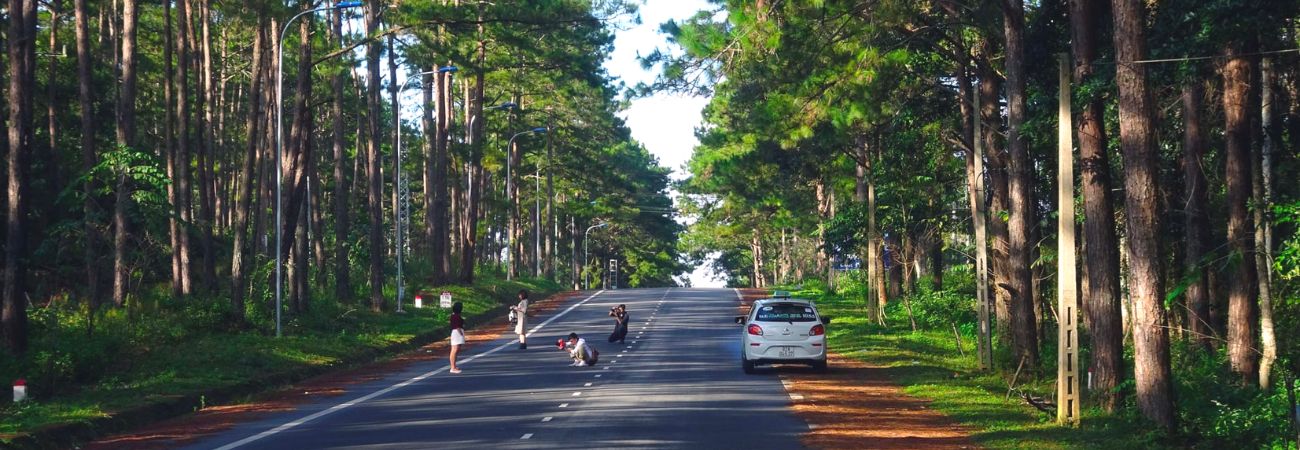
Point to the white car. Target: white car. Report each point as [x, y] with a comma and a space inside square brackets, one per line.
[783, 331]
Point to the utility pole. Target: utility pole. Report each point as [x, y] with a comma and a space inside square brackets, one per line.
[984, 304]
[1067, 342]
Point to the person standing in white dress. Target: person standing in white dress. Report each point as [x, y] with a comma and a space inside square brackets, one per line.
[457, 334]
[521, 322]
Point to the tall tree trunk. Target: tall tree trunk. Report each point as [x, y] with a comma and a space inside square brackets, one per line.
[1241, 300]
[1270, 137]
[295, 173]
[52, 102]
[375, 193]
[1141, 186]
[342, 223]
[182, 180]
[13, 311]
[474, 170]
[990, 89]
[203, 103]
[169, 148]
[247, 173]
[125, 132]
[1101, 277]
[1020, 183]
[442, 177]
[85, 98]
[435, 227]
[1196, 218]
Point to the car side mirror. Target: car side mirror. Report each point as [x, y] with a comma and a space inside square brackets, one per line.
[826, 320]
[740, 320]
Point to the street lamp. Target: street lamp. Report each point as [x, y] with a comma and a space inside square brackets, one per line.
[401, 203]
[586, 277]
[510, 188]
[279, 150]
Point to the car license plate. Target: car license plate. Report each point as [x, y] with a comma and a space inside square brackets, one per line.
[787, 352]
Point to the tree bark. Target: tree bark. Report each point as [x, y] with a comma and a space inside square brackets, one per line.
[441, 178]
[13, 311]
[990, 89]
[297, 153]
[1101, 277]
[1241, 299]
[1270, 137]
[182, 180]
[375, 195]
[1141, 186]
[474, 171]
[342, 223]
[1019, 181]
[52, 102]
[203, 103]
[85, 99]
[1196, 219]
[247, 173]
[125, 132]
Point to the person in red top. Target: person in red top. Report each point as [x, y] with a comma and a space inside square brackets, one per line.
[457, 334]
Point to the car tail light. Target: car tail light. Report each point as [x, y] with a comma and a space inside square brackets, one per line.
[755, 330]
[817, 330]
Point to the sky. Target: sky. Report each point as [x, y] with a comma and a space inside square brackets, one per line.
[664, 123]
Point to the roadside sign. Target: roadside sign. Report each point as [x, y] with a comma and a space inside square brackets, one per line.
[445, 300]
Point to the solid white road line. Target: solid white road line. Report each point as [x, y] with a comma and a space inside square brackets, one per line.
[372, 395]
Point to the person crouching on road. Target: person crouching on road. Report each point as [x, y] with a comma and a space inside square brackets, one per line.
[583, 355]
[521, 316]
[457, 334]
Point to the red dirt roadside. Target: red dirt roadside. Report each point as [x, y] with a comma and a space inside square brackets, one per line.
[215, 419]
[855, 405]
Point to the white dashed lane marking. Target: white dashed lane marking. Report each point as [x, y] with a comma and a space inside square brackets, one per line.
[575, 394]
[587, 385]
[526, 436]
[564, 405]
[547, 419]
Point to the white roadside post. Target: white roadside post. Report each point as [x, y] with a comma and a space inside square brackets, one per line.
[20, 390]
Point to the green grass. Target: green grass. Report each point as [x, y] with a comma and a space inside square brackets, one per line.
[927, 364]
[181, 350]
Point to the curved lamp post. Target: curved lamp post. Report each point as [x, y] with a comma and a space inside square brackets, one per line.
[586, 277]
[510, 186]
[279, 150]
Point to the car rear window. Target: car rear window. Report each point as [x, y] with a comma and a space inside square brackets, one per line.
[786, 312]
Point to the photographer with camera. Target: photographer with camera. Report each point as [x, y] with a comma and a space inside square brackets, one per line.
[621, 318]
[583, 354]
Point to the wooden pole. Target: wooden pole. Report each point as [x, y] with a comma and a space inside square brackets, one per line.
[1067, 359]
[984, 304]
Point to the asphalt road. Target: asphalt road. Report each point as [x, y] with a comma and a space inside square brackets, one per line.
[676, 384]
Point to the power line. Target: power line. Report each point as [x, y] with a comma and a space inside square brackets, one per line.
[1202, 58]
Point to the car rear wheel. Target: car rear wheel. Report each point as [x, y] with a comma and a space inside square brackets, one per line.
[746, 365]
